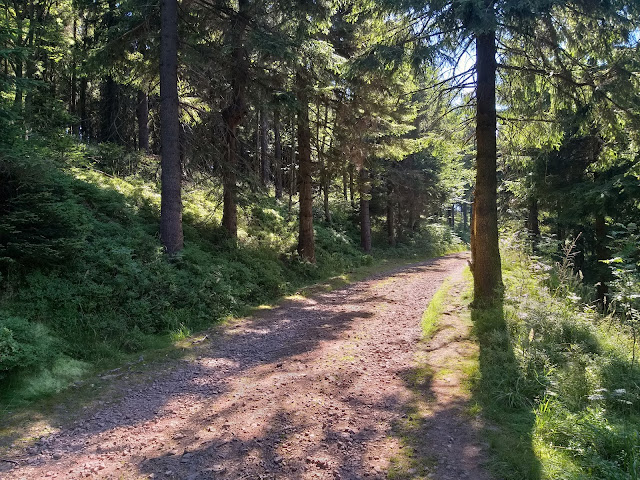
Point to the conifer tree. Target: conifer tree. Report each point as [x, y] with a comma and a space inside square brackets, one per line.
[171, 199]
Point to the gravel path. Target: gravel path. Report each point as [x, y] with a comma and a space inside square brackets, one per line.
[309, 390]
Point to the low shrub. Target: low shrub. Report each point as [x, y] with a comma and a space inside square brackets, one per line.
[83, 275]
[557, 380]
[24, 344]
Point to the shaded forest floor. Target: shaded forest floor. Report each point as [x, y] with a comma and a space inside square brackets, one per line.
[339, 385]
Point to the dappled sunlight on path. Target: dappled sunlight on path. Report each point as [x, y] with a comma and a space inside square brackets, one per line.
[310, 389]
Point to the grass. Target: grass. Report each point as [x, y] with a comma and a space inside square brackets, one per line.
[435, 308]
[85, 286]
[414, 461]
[555, 381]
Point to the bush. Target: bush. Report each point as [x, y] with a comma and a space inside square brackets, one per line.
[41, 225]
[85, 278]
[24, 344]
[557, 378]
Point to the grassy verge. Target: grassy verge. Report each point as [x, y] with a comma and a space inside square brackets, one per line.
[556, 381]
[84, 285]
[434, 310]
[415, 461]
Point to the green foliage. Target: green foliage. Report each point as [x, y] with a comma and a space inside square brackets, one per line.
[23, 344]
[556, 379]
[435, 308]
[431, 239]
[84, 279]
[626, 279]
[48, 234]
[115, 159]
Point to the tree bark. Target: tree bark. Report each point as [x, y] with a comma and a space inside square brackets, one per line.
[277, 154]
[82, 110]
[365, 218]
[325, 180]
[306, 246]
[73, 80]
[292, 164]
[345, 182]
[109, 115]
[326, 186]
[602, 253]
[109, 93]
[391, 221]
[265, 168]
[465, 216]
[142, 113]
[85, 125]
[411, 220]
[485, 251]
[351, 187]
[533, 225]
[30, 60]
[171, 200]
[17, 99]
[232, 116]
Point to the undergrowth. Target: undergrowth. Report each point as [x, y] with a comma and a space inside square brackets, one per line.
[435, 308]
[556, 379]
[84, 282]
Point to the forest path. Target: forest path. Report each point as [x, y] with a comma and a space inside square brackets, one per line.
[316, 388]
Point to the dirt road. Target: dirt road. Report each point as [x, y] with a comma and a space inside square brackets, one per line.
[309, 390]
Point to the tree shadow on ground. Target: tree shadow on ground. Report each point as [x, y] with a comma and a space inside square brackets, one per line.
[446, 439]
[500, 390]
[220, 438]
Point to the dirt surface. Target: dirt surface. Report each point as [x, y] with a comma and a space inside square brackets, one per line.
[448, 433]
[309, 390]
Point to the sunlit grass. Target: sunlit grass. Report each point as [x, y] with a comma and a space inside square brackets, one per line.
[556, 382]
[435, 308]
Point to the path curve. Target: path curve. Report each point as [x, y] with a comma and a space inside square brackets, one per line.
[308, 390]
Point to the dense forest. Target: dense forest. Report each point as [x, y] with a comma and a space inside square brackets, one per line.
[166, 165]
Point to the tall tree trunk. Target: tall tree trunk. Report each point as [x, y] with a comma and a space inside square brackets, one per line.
[345, 182]
[465, 216]
[109, 102]
[485, 251]
[326, 185]
[229, 182]
[533, 225]
[232, 116]
[292, 163]
[391, 221]
[257, 162]
[82, 109]
[306, 246]
[85, 124]
[365, 218]
[30, 63]
[322, 161]
[265, 170]
[351, 187]
[17, 99]
[109, 114]
[5, 60]
[411, 218]
[73, 80]
[602, 253]
[277, 154]
[171, 200]
[142, 112]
